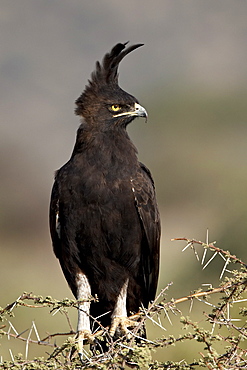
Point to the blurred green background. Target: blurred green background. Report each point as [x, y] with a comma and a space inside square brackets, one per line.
[191, 76]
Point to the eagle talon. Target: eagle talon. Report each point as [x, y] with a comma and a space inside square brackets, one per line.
[82, 336]
[121, 322]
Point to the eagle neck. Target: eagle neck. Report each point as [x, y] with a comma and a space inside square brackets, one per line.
[110, 147]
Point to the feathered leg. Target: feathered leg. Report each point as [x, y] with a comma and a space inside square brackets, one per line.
[83, 325]
[119, 319]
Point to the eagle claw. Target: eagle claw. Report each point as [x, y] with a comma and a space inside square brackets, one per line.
[82, 336]
[121, 322]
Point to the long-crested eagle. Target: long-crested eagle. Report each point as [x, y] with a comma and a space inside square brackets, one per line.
[104, 220]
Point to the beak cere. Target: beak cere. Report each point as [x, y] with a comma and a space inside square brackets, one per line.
[138, 111]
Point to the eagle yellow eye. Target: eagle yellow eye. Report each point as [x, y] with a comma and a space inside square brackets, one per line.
[115, 107]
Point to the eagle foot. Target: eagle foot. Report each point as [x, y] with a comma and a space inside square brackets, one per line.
[122, 323]
[83, 336]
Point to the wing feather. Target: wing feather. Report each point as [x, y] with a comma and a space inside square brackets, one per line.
[144, 193]
[54, 220]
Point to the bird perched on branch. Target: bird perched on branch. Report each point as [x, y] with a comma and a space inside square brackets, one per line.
[104, 220]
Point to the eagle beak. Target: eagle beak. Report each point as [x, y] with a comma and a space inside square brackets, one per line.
[138, 111]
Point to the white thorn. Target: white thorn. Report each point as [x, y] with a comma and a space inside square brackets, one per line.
[215, 253]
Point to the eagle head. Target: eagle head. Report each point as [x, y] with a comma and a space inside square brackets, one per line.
[103, 102]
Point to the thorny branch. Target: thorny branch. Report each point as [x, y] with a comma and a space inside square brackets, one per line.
[212, 247]
[134, 352]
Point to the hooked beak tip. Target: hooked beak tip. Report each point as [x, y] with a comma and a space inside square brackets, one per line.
[140, 111]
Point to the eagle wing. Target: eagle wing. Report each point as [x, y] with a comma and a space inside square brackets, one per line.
[54, 220]
[145, 199]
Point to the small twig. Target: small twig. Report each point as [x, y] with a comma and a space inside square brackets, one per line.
[68, 321]
[201, 294]
[55, 335]
[42, 341]
[150, 309]
[212, 246]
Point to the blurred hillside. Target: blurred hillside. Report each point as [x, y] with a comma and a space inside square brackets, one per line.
[191, 76]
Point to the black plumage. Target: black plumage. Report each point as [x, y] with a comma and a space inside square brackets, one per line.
[104, 220]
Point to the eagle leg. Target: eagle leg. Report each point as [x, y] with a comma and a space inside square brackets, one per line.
[119, 319]
[83, 326]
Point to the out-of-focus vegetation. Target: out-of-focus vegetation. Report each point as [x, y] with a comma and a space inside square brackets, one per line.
[198, 145]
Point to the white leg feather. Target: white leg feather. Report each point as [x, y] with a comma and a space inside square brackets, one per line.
[120, 307]
[119, 315]
[83, 325]
[83, 292]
